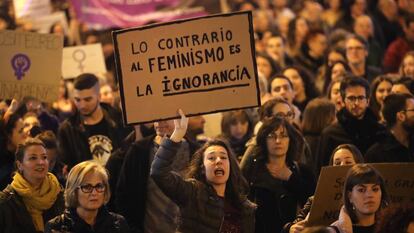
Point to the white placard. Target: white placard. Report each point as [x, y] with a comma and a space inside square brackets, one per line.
[82, 59]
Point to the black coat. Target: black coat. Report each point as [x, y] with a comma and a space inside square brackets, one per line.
[302, 214]
[202, 210]
[131, 188]
[73, 141]
[6, 167]
[106, 222]
[389, 150]
[276, 205]
[362, 133]
[14, 217]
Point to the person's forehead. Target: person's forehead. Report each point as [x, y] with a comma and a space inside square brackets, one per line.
[277, 82]
[281, 107]
[355, 90]
[85, 92]
[215, 149]
[353, 42]
[409, 103]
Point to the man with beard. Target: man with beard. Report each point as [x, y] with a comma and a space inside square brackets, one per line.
[356, 123]
[91, 133]
[397, 145]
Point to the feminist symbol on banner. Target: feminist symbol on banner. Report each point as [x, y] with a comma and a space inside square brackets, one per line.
[79, 56]
[21, 64]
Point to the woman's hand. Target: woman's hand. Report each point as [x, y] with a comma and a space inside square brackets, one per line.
[298, 227]
[180, 127]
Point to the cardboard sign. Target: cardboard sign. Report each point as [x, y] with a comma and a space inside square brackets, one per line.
[44, 23]
[31, 8]
[200, 65]
[30, 65]
[399, 178]
[82, 59]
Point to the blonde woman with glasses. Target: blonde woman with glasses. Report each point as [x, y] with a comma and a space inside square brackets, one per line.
[87, 191]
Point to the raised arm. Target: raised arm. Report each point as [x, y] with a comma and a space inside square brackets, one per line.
[170, 182]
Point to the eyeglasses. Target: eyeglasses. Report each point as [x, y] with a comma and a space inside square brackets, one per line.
[409, 110]
[358, 48]
[88, 188]
[277, 136]
[289, 115]
[354, 99]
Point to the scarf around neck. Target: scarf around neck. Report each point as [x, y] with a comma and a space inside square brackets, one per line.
[37, 200]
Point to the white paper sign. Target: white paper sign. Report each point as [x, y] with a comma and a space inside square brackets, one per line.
[82, 59]
[31, 8]
[43, 24]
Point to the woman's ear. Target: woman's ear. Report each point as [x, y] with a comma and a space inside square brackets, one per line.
[349, 195]
[19, 166]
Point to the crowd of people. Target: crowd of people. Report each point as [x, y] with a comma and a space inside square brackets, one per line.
[337, 89]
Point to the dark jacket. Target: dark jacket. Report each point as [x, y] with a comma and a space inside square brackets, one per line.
[202, 210]
[389, 150]
[73, 139]
[106, 222]
[300, 216]
[14, 217]
[131, 188]
[6, 167]
[362, 133]
[277, 200]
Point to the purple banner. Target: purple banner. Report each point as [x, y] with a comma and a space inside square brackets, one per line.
[102, 14]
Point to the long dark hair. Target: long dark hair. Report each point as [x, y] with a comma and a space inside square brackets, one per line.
[236, 186]
[269, 126]
[362, 174]
[373, 103]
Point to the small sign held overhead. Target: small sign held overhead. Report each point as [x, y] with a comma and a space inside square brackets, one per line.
[82, 59]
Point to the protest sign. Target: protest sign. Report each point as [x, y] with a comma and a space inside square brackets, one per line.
[101, 14]
[43, 24]
[398, 177]
[30, 64]
[202, 65]
[82, 59]
[31, 8]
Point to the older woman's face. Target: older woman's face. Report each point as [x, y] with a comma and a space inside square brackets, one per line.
[278, 142]
[91, 194]
[35, 165]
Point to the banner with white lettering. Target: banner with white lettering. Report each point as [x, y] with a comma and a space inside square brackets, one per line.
[101, 14]
[202, 65]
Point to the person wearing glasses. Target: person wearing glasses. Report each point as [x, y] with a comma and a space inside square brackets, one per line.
[396, 146]
[356, 54]
[87, 191]
[34, 196]
[278, 184]
[356, 123]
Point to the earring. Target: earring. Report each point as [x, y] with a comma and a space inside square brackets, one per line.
[353, 207]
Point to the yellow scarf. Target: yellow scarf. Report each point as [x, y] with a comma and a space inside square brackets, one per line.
[37, 200]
